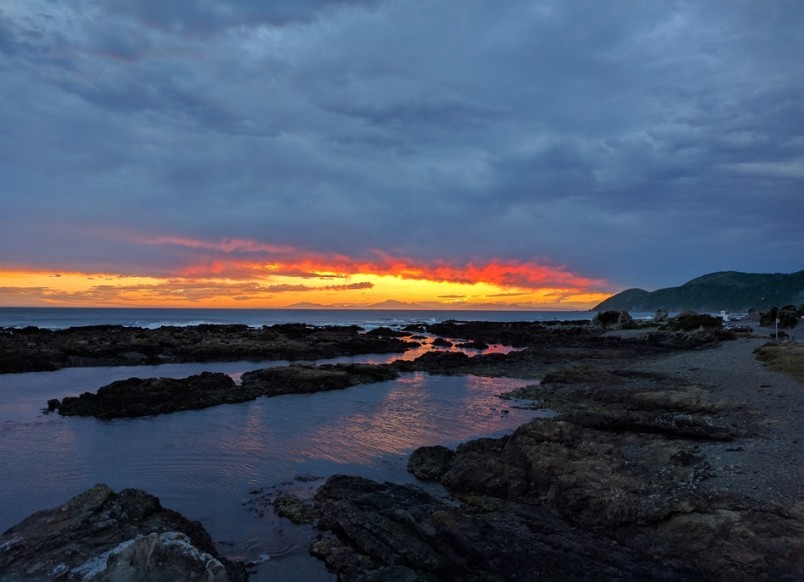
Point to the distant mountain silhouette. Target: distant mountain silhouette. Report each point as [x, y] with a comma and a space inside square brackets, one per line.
[389, 304]
[727, 290]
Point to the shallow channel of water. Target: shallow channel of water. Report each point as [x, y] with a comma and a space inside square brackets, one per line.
[205, 463]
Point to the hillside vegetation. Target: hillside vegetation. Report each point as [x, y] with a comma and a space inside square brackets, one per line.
[727, 290]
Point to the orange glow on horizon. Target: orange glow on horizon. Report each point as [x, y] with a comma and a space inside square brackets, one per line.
[239, 273]
[31, 289]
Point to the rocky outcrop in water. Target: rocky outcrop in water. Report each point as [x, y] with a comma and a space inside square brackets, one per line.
[33, 349]
[151, 396]
[615, 487]
[301, 379]
[104, 536]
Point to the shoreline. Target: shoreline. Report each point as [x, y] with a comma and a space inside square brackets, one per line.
[736, 441]
[770, 466]
[687, 462]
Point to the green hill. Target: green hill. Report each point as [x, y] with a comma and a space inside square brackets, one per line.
[727, 290]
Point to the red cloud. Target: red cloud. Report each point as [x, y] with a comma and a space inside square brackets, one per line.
[245, 259]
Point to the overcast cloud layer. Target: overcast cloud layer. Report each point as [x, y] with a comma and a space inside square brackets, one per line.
[641, 143]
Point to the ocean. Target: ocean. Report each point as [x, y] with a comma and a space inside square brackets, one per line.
[64, 317]
[206, 463]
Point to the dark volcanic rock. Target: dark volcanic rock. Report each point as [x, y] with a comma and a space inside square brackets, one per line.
[440, 342]
[299, 379]
[387, 531]
[557, 501]
[138, 397]
[109, 536]
[430, 463]
[643, 490]
[614, 488]
[33, 349]
[387, 332]
[475, 345]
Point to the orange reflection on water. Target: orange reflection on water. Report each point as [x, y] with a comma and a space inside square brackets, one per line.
[417, 410]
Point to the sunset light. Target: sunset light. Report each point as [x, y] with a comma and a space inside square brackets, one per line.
[239, 273]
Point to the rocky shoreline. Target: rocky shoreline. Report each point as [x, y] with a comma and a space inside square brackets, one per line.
[541, 346]
[105, 536]
[632, 479]
[625, 483]
[33, 349]
[136, 397]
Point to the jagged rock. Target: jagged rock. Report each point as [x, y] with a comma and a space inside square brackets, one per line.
[387, 332]
[156, 557]
[475, 345]
[299, 379]
[441, 363]
[578, 374]
[661, 316]
[625, 321]
[137, 397]
[294, 508]
[385, 531]
[430, 463]
[33, 349]
[643, 489]
[104, 535]
[614, 488]
[605, 319]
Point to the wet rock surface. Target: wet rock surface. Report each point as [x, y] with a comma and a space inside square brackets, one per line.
[151, 396]
[300, 379]
[618, 485]
[32, 349]
[107, 536]
[379, 531]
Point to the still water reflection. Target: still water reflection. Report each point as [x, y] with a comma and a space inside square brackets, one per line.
[204, 463]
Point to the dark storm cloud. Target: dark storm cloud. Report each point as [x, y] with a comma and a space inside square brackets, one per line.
[644, 143]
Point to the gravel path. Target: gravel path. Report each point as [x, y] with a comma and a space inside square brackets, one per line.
[769, 467]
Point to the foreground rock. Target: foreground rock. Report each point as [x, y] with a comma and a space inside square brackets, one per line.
[33, 349]
[615, 487]
[151, 396]
[106, 536]
[385, 531]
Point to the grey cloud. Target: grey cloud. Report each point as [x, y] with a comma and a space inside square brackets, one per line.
[204, 17]
[637, 142]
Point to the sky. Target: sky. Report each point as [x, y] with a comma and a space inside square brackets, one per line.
[524, 154]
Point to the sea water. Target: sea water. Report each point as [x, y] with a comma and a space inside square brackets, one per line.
[64, 317]
[206, 463]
